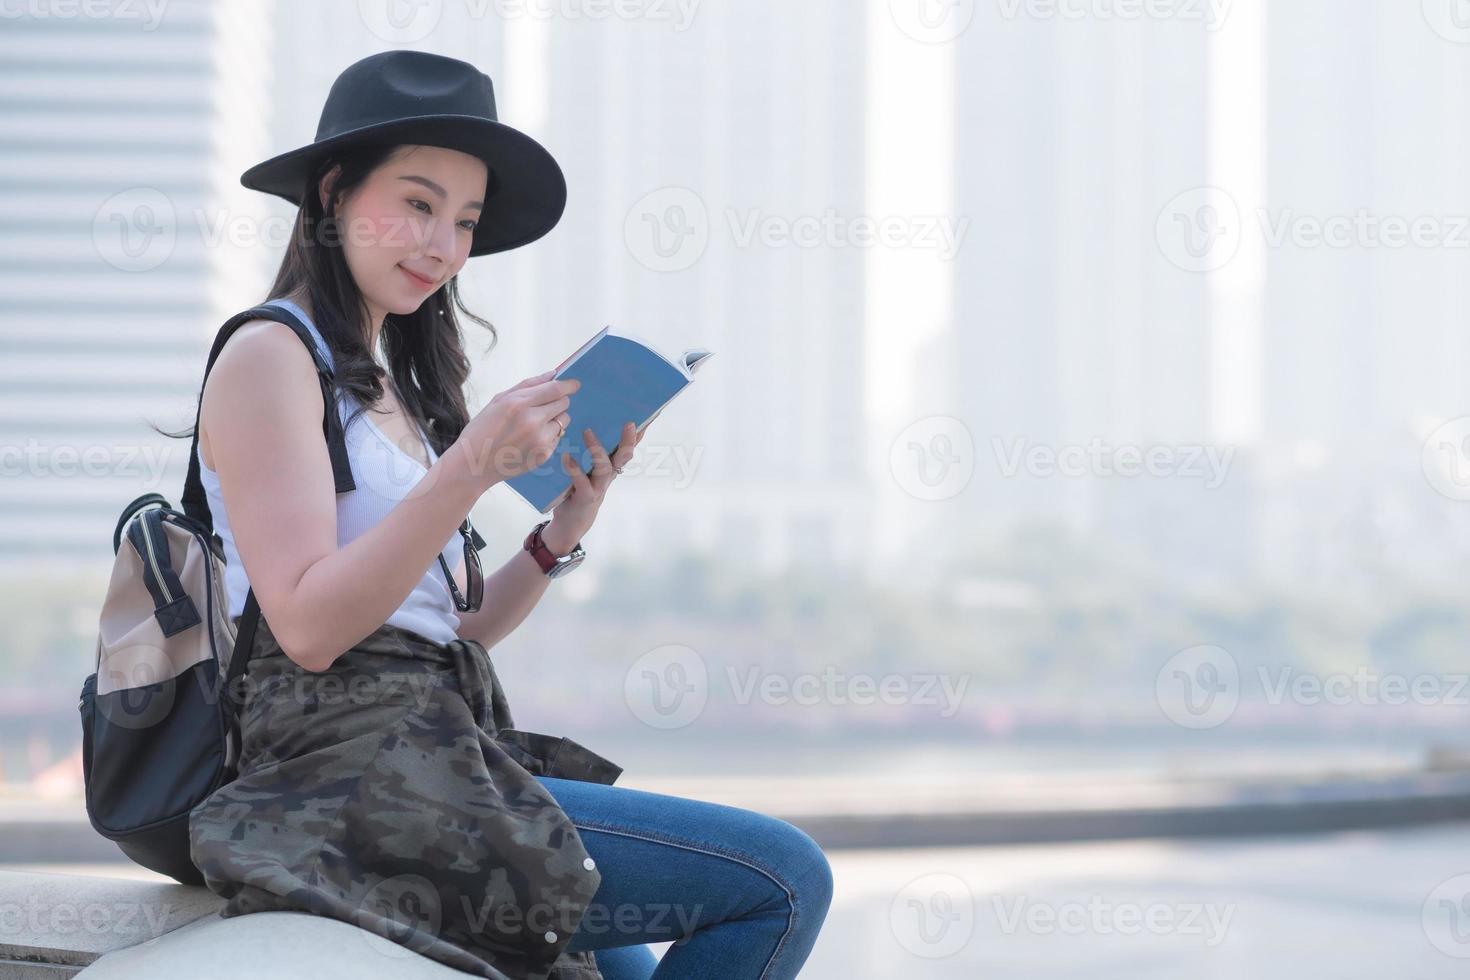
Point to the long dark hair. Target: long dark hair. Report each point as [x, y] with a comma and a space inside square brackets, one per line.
[424, 349]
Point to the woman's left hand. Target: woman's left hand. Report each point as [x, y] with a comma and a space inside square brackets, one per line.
[574, 515]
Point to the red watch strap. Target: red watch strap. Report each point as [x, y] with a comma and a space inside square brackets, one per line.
[533, 543]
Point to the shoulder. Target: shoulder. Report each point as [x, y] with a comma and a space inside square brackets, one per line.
[263, 360]
[263, 351]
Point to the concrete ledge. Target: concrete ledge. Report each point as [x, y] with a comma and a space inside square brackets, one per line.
[53, 925]
[57, 925]
[268, 944]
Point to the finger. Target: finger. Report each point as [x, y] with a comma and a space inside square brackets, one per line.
[553, 410]
[533, 381]
[550, 391]
[624, 452]
[579, 479]
[601, 465]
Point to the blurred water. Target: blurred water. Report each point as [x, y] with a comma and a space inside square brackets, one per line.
[1164, 752]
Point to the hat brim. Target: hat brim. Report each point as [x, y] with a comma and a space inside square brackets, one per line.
[527, 191]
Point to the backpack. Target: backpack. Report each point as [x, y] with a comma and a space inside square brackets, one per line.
[160, 711]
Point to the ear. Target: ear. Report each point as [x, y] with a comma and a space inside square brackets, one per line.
[328, 181]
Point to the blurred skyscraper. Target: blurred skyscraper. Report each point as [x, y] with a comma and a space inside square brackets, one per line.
[1365, 345]
[122, 137]
[750, 115]
[1070, 324]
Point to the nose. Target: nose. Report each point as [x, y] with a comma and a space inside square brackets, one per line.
[439, 243]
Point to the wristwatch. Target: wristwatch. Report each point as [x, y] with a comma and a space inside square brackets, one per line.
[550, 563]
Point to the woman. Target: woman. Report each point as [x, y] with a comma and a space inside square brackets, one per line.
[381, 778]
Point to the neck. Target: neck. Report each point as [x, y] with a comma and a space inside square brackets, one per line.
[373, 329]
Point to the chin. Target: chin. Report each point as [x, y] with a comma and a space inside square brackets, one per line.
[401, 304]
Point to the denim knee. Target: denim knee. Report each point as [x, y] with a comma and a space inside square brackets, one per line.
[803, 865]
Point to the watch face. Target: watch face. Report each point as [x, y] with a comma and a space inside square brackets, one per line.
[567, 562]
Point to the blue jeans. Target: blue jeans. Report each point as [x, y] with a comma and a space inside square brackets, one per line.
[740, 894]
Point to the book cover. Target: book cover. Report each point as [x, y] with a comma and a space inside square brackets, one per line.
[623, 380]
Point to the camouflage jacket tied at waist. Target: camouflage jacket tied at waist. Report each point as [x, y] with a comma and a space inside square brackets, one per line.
[393, 792]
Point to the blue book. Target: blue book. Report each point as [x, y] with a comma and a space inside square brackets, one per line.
[623, 380]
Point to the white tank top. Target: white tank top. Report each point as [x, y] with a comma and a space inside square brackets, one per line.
[384, 475]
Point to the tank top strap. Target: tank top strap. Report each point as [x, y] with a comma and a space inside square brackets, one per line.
[316, 335]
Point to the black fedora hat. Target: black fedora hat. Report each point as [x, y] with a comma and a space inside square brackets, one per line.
[416, 97]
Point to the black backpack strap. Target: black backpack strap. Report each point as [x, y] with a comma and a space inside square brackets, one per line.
[244, 643]
[195, 503]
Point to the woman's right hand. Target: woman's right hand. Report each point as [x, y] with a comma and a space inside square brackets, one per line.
[517, 430]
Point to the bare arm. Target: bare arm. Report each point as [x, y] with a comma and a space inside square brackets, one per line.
[510, 595]
[263, 409]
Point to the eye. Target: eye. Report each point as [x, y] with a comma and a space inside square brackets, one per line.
[468, 224]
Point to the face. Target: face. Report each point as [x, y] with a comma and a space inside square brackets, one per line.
[407, 228]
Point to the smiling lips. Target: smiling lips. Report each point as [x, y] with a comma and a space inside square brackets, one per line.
[418, 279]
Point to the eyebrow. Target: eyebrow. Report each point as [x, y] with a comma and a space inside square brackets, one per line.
[478, 205]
